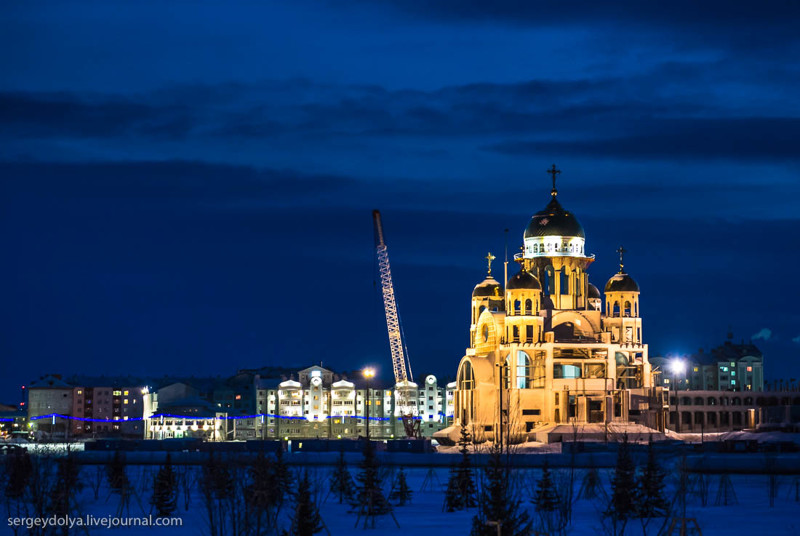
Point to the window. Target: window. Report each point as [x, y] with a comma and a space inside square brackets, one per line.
[566, 372]
[466, 380]
[523, 371]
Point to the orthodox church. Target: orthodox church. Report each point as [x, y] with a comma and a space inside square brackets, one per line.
[549, 350]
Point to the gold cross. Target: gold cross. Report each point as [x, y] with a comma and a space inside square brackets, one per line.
[553, 171]
[621, 252]
[490, 258]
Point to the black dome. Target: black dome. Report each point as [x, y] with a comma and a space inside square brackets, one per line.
[622, 283]
[487, 287]
[554, 221]
[523, 280]
[594, 292]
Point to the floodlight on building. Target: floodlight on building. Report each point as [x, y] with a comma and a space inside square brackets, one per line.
[677, 366]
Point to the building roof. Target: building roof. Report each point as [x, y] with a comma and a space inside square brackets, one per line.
[622, 282]
[49, 381]
[554, 220]
[523, 280]
[488, 287]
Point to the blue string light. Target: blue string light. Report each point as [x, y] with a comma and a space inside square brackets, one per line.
[200, 418]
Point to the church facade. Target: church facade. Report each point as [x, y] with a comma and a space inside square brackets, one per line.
[549, 349]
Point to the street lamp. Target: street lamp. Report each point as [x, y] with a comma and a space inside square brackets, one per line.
[368, 373]
[677, 366]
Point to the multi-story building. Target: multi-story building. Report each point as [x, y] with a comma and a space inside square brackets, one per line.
[84, 407]
[319, 404]
[106, 408]
[48, 396]
[177, 410]
[545, 351]
[728, 367]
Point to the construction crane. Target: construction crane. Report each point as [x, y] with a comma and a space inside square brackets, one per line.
[404, 380]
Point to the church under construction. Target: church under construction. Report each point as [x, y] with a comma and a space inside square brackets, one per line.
[550, 351]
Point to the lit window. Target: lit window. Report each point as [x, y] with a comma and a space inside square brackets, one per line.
[125, 393]
[238, 397]
[749, 369]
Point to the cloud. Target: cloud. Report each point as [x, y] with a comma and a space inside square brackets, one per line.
[764, 334]
[696, 138]
[717, 17]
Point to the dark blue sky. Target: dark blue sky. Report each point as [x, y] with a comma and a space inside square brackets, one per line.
[186, 187]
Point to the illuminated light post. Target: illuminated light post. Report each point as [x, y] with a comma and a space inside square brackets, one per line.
[677, 366]
[368, 373]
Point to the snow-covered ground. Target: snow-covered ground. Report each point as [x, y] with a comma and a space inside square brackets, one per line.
[750, 513]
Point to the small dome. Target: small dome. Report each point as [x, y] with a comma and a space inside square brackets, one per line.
[488, 287]
[523, 280]
[622, 283]
[554, 221]
[594, 292]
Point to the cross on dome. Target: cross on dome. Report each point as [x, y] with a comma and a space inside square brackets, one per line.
[621, 252]
[489, 258]
[553, 171]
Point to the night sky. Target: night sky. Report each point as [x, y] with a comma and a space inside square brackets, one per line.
[186, 188]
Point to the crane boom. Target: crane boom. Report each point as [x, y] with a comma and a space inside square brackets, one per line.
[402, 372]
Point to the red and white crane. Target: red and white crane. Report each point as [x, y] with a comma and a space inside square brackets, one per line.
[404, 380]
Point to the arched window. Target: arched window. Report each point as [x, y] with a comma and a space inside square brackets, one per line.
[528, 307]
[515, 334]
[564, 281]
[536, 248]
[615, 311]
[523, 371]
[548, 280]
[627, 309]
[506, 371]
[517, 307]
[466, 380]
